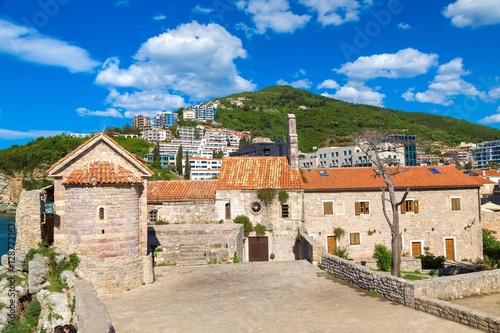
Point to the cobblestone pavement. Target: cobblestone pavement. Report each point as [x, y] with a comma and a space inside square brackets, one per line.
[271, 296]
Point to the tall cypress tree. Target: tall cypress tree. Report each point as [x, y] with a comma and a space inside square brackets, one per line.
[187, 167]
[178, 160]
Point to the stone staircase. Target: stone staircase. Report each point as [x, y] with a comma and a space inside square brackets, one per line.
[193, 245]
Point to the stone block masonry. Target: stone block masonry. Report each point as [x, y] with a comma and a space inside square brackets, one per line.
[90, 313]
[425, 295]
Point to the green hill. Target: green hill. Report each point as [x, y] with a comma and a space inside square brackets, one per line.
[327, 122]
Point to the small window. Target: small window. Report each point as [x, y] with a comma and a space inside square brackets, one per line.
[256, 207]
[153, 215]
[362, 207]
[354, 238]
[285, 211]
[455, 204]
[327, 207]
[410, 206]
[323, 173]
[101, 214]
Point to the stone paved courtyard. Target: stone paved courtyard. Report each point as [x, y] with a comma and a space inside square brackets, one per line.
[271, 296]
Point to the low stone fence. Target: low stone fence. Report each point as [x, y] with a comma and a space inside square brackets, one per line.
[424, 295]
[91, 314]
[391, 287]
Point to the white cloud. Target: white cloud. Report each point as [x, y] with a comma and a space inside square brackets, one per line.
[6, 134]
[358, 93]
[494, 93]
[447, 84]
[404, 26]
[194, 59]
[124, 3]
[29, 45]
[328, 84]
[202, 10]
[493, 119]
[300, 84]
[405, 63]
[465, 13]
[150, 100]
[109, 112]
[337, 12]
[160, 17]
[273, 15]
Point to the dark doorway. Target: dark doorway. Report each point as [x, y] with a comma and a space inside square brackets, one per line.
[258, 249]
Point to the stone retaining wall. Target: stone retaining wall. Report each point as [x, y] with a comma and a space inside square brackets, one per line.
[308, 248]
[90, 313]
[423, 295]
[391, 287]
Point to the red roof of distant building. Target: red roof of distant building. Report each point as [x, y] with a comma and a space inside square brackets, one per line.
[181, 189]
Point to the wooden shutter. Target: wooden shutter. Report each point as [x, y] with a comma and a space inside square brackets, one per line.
[354, 238]
[455, 203]
[367, 207]
[327, 208]
[416, 207]
[403, 207]
[357, 208]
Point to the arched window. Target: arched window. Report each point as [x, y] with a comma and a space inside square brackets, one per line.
[228, 211]
[101, 213]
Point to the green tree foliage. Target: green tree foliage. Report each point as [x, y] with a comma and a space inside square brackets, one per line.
[383, 256]
[178, 160]
[187, 167]
[491, 246]
[326, 122]
[40, 153]
[247, 225]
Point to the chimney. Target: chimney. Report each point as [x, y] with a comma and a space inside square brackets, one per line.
[293, 142]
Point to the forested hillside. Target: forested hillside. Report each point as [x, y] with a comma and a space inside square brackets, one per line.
[326, 122]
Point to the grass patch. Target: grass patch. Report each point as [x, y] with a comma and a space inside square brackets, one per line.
[413, 277]
[374, 293]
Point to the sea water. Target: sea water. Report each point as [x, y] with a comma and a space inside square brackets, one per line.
[7, 232]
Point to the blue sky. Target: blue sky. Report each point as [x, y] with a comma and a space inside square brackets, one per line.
[80, 66]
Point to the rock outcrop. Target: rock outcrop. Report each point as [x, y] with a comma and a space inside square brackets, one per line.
[10, 189]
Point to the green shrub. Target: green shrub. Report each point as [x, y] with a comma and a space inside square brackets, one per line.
[383, 256]
[161, 222]
[282, 196]
[266, 195]
[247, 225]
[430, 261]
[260, 229]
[272, 256]
[342, 252]
[235, 259]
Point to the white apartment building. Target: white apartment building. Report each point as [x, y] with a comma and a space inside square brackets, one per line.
[349, 156]
[203, 168]
[156, 134]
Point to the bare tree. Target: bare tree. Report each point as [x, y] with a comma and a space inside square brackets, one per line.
[373, 145]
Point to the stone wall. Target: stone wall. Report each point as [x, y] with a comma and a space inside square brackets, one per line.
[188, 212]
[109, 249]
[430, 226]
[90, 313]
[280, 230]
[308, 248]
[391, 287]
[491, 221]
[28, 221]
[424, 295]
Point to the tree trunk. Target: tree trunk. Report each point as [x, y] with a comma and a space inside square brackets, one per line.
[396, 245]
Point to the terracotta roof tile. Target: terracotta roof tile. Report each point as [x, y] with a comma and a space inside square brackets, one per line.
[101, 172]
[181, 189]
[367, 178]
[487, 173]
[89, 142]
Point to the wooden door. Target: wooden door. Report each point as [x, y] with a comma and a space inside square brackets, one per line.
[332, 245]
[450, 249]
[258, 249]
[416, 249]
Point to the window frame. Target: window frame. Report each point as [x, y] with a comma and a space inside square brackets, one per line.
[358, 238]
[332, 203]
[459, 203]
[415, 206]
[153, 215]
[282, 210]
[362, 207]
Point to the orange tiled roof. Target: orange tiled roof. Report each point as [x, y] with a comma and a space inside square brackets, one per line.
[481, 180]
[250, 173]
[101, 172]
[181, 189]
[367, 178]
[487, 173]
[89, 142]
